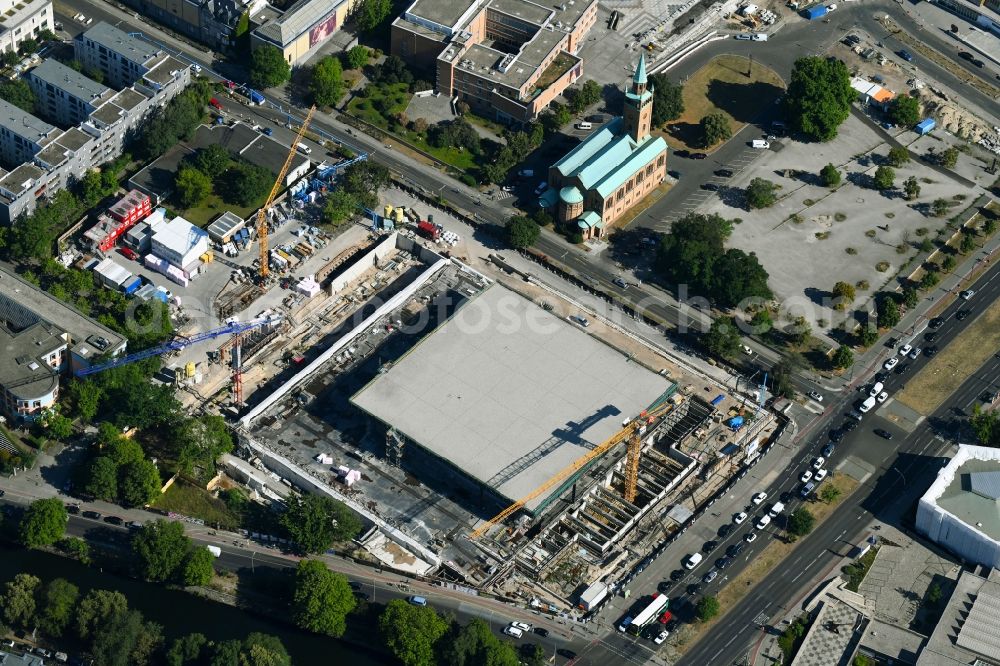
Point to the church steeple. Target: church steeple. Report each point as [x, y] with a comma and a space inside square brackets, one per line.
[638, 112]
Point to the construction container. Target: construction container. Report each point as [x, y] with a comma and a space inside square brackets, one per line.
[189, 369]
[817, 12]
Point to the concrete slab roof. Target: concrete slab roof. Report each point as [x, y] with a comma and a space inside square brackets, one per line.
[73, 139]
[129, 98]
[969, 506]
[164, 71]
[120, 42]
[505, 384]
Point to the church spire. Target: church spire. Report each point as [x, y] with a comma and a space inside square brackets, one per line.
[640, 70]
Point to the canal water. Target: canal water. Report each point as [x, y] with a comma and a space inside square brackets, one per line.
[181, 613]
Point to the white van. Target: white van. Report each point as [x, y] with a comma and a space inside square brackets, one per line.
[867, 405]
[776, 509]
[584, 126]
[759, 37]
[760, 143]
[876, 389]
[303, 148]
[692, 561]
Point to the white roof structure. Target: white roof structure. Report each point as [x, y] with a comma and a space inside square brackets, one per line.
[960, 510]
[179, 235]
[112, 272]
[509, 393]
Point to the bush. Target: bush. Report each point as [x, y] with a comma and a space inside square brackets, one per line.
[761, 193]
[801, 522]
[898, 156]
[884, 178]
[708, 607]
[715, 128]
[830, 176]
[940, 207]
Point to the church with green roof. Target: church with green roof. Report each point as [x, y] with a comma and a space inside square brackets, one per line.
[612, 169]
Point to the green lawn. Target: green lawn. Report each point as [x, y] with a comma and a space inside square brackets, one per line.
[381, 102]
[211, 207]
[456, 157]
[190, 500]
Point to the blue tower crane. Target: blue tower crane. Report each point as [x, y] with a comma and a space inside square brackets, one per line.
[232, 327]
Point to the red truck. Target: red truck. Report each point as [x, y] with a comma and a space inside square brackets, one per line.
[214, 102]
[428, 230]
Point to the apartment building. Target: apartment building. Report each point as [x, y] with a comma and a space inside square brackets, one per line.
[20, 20]
[65, 95]
[121, 58]
[21, 134]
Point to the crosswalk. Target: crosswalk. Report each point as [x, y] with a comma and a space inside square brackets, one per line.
[500, 195]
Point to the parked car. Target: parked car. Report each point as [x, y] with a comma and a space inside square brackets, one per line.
[723, 173]
[114, 520]
[699, 156]
[967, 294]
[128, 253]
[740, 517]
[417, 601]
[759, 498]
[818, 462]
[750, 537]
[930, 352]
[711, 187]
[710, 576]
[891, 363]
[882, 397]
[915, 353]
[660, 637]
[884, 434]
[815, 395]
[513, 632]
[905, 349]
[93, 515]
[905, 55]
[582, 321]
[763, 522]
[962, 314]
[723, 562]
[523, 626]
[71, 509]
[734, 550]
[829, 449]
[820, 475]
[806, 475]
[807, 489]
[935, 323]
[542, 631]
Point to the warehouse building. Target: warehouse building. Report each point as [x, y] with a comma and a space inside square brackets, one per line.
[508, 59]
[960, 510]
[302, 28]
[222, 229]
[612, 169]
[23, 20]
[65, 95]
[504, 395]
[42, 337]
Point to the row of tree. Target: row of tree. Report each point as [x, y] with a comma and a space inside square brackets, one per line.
[116, 635]
[213, 169]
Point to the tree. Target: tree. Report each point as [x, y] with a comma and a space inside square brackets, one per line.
[586, 95]
[522, 231]
[934, 594]
[125, 640]
[887, 310]
[929, 280]
[59, 601]
[29, 46]
[411, 632]
[761, 322]
[949, 157]
[553, 119]
[394, 70]
[247, 184]
[844, 293]
[829, 493]
[723, 338]
[213, 160]
[76, 548]
[904, 111]
[715, 128]
[948, 264]
[339, 207]
[898, 156]
[199, 441]
[161, 547]
[911, 188]
[357, 57]
[138, 483]
[986, 425]
[940, 207]
[843, 357]
[186, 650]
[18, 599]
[801, 522]
[242, 26]
[199, 567]
[19, 93]
[370, 13]
[884, 178]
[737, 276]
[707, 608]
[761, 193]
[967, 244]
[268, 67]
[475, 644]
[96, 608]
[819, 96]
[192, 186]
[455, 133]
[830, 176]
[44, 523]
[327, 83]
[322, 599]
[781, 375]
[668, 99]
[102, 479]
[316, 521]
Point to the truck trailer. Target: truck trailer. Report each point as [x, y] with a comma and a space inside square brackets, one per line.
[428, 230]
[817, 12]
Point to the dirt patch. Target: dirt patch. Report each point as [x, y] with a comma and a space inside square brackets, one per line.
[763, 563]
[956, 363]
[723, 86]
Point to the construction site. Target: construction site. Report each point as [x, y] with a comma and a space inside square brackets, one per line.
[484, 432]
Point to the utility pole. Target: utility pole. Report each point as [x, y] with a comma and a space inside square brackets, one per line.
[750, 67]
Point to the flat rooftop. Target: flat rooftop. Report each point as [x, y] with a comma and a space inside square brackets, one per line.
[23, 124]
[443, 12]
[165, 71]
[967, 629]
[70, 81]
[505, 384]
[962, 500]
[80, 327]
[119, 41]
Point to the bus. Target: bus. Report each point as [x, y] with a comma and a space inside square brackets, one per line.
[656, 606]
